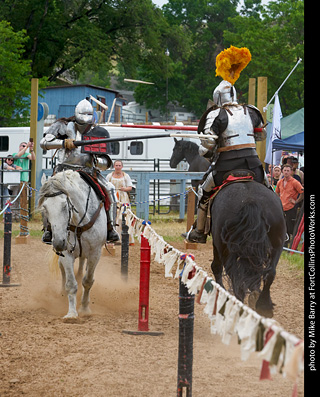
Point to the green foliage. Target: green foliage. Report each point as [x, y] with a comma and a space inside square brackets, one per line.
[14, 76]
[276, 41]
[93, 39]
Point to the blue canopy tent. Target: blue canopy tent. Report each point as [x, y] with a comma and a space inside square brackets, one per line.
[294, 143]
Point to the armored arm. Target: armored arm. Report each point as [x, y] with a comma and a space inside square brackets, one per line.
[60, 128]
[209, 145]
[260, 133]
[49, 141]
[103, 162]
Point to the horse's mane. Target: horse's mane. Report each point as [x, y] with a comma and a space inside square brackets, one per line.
[62, 181]
[192, 146]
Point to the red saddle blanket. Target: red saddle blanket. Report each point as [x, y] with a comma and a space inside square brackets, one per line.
[92, 182]
[228, 180]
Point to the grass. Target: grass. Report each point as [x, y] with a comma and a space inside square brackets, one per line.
[295, 261]
[34, 227]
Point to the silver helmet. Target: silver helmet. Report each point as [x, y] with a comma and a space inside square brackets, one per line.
[84, 113]
[225, 93]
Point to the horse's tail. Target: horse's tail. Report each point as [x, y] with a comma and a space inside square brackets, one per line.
[248, 248]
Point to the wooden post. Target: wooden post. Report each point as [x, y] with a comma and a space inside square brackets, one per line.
[24, 216]
[33, 133]
[252, 92]
[262, 96]
[190, 218]
[6, 281]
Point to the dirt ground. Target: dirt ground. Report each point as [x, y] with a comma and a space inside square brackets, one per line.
[40, 355]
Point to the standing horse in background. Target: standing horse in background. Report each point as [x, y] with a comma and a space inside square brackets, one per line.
[248, 232]
[79, 230]
[190, 151]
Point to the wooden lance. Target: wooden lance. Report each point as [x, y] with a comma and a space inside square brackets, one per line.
[132, 138]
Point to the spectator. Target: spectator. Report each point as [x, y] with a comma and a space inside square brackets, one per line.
[123, 185]
[8, 165]
[297, 174]
[289, 189]
[270, 181]
[21, 159]
[276, 174]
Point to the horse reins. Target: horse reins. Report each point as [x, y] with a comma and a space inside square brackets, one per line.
[76, 229]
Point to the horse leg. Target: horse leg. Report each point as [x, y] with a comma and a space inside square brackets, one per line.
[264, 305]
[63, 277]
[217, 267]
[87, 283]
[71, 285]
[80, 269]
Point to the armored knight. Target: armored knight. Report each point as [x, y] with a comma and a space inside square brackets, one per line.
[230, 128]
[61, 136]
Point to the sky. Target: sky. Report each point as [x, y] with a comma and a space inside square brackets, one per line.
[160, 3]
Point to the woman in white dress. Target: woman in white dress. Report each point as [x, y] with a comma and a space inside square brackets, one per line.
[123, 185]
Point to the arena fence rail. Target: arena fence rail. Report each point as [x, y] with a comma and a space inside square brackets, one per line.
[280, 351]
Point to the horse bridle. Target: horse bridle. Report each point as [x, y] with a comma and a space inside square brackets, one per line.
[76, 229]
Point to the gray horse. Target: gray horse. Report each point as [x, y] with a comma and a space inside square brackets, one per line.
[79, 230]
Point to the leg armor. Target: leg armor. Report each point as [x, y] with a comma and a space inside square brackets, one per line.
[204, 192]
[109, 190]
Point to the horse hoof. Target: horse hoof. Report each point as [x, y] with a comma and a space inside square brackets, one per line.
[71, 318]
[268, 313]
[252, 299]
[85, 311]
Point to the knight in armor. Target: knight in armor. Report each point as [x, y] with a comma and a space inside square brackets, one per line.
[61, 136]
[230, 128]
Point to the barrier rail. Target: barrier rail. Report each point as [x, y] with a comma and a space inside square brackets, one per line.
[143, 181]
[278, 349]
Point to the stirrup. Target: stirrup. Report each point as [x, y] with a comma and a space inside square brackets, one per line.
[113, 236]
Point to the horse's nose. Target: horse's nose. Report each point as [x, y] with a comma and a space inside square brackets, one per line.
[172, 164]
[59, 244]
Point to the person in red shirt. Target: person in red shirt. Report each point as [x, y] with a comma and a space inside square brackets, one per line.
[290, 192]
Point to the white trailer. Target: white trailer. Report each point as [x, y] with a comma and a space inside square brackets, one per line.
[10, 139]
[137, 155]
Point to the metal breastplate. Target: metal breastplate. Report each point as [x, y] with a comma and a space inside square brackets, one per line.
[239, 132]
[75, 157]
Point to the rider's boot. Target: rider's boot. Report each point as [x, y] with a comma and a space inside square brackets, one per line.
[113, 235]
[196, 233]
[109, 190]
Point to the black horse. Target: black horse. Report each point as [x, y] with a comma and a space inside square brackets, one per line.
[189, 150]
[248, 231]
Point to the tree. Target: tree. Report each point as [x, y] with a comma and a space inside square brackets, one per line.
[274, 35]
[194, 37]
[275, 38]
[80, 35]
[14, 76]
